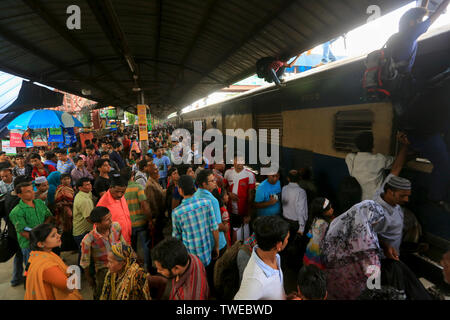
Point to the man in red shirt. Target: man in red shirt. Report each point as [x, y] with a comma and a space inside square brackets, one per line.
[126, 145]
[40, 169]
[271, 69]
[116, 203]
[186, 271]
[239, 183]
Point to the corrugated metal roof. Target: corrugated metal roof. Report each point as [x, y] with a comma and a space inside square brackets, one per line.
[180, 50]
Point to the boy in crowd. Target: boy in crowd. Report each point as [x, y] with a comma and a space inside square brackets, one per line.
[96, 245]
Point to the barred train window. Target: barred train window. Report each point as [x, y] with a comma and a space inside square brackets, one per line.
[348, 124]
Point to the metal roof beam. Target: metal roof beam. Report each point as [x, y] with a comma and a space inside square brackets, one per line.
[209, 10]
[158, 39]
[107, 18]
[253, 32]
[30, 48]
[55, 25]
[37, 78]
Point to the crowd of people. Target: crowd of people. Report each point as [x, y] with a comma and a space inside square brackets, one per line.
[145, 228]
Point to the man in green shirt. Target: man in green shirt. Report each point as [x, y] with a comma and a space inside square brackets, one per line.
[82, 208]
[26, 215]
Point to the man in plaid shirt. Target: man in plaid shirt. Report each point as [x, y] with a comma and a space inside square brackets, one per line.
[193, 221]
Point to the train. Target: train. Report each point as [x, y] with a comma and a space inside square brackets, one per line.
[319, 112]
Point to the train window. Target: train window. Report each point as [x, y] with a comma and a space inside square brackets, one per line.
[270, 121]
[348, 124]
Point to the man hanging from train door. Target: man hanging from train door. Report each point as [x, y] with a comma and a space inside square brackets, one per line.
[402, 47]
[411, 100]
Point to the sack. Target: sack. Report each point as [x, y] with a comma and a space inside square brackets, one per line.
[380, 70]
[8, 245]
[262, 65]
[226, 273]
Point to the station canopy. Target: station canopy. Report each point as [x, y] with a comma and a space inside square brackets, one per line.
[174, 51]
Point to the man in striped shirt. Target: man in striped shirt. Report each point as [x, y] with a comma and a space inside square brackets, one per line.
[193, 221]
[139, 213]
[188, 275]
[96, 245]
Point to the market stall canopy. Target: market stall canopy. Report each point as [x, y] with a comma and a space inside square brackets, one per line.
[18, 96]
[40, 119]
[172, 51]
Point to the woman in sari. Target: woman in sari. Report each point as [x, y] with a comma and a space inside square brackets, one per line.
[54, 180]
[46, 277]
[125, 280]
[351, 251]
[64, 196]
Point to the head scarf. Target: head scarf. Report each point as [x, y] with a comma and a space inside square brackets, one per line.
[123, 252]
[53, 182]
[131, 283]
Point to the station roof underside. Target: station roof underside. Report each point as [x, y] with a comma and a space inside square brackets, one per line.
[175, 51]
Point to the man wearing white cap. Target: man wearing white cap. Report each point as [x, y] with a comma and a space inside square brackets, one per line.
[42, 188]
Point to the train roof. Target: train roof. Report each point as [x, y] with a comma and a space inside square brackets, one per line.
[270, 87]
[174, 51]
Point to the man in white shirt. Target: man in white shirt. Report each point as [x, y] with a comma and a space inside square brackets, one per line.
[367, 167]
[295, 203]
[239, 182]
[394, 192]
[263, 277]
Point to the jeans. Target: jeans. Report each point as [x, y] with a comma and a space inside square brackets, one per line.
[26, 255]
[274, 76]
[17, 268]
[78, 240]
[140, 235]
[163, 182]
[327, 54]
[434, 149]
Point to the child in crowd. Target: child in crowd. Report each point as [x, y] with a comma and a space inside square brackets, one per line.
[311, 284]
[320, 216]
[222, 196]
[64, 197]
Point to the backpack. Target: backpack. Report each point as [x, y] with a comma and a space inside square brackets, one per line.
[381, 70]
[261, 66]
[8, 245]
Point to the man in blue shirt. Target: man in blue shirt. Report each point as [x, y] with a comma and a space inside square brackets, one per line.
[416, 107]
[163, 164]
[402, 47]
[115, 155]
[65, 165]
[194, 223]
[206, 184]
[268, 195]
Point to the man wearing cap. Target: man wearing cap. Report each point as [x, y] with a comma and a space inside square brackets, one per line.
[42, 188]
[394, 192]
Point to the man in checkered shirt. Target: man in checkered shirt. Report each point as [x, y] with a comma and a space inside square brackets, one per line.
[193, 221]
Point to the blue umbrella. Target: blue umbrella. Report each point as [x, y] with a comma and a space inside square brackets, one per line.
[40, 119]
